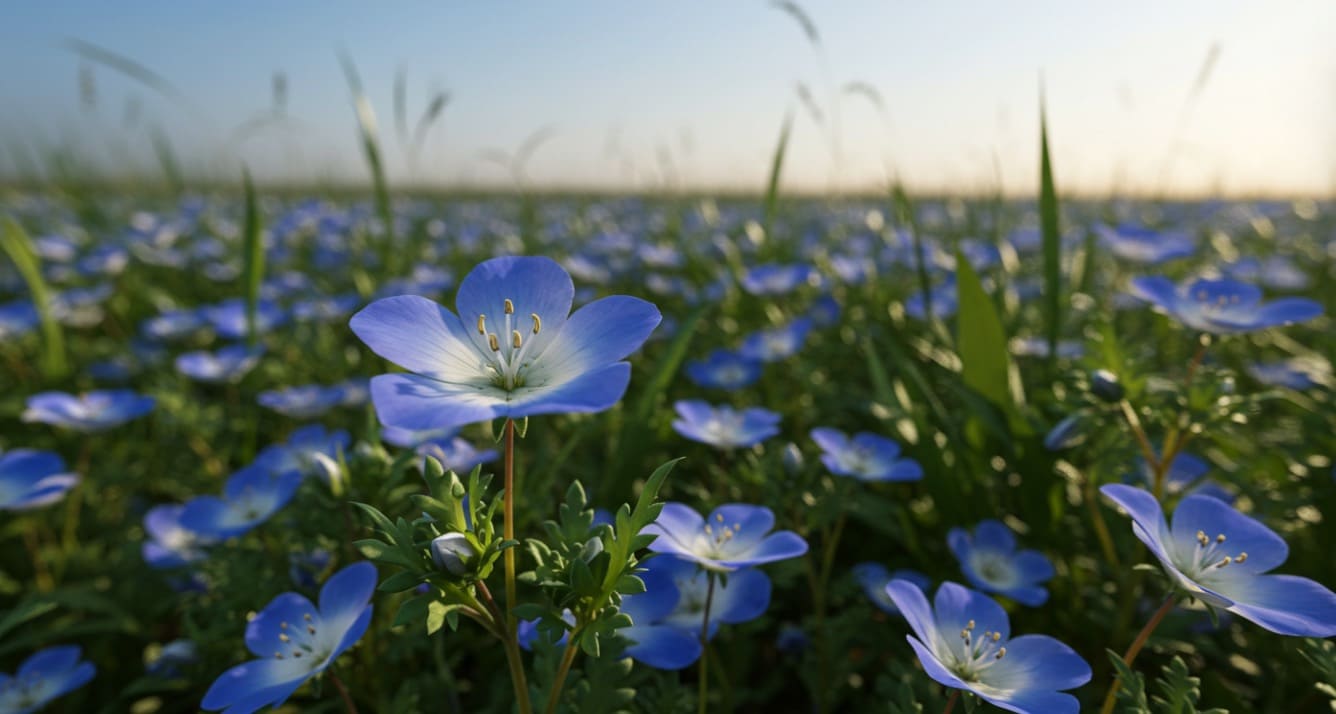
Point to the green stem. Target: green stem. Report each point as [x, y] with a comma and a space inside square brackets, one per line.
[1134, 649]
[567, 659]
[832, 540]
[343, 693]
[951, 703]
[510, 622]
[1097, 520]
[703, 687]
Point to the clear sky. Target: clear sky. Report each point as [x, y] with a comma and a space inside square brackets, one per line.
[693, 92]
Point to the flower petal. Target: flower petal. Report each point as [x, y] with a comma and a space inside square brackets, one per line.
[933, 667]
[1030, 701]
[993, 534]
[1038, 662]
[1284, 604]
[600, 333]
[420, 336]
[535, 285]
[344, 597]
[247, 687]
[50, 661]
[956, 606]
[910, 600]
[1243, 534]
[781, 545]
[744, 599]
[418, 403]
[662, 646]
[587, 393]
[1154, 289]
[1147, 517]
[264, 630]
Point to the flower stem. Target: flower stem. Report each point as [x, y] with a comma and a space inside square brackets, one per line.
[510, 625]
[819, 588]
[40, 572]
[703, 686]
[343, 693]
[951, 703]
[1135, 648]
[567, 659]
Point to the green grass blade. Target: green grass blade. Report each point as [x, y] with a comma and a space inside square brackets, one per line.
[366, 124]
[252, 265]
[905, 213]
[776, 168]
[668, 366]
[1048, 217]
[18, 246]
[171, 167]
[981, 340]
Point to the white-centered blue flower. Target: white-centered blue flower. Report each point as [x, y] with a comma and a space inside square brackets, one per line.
[734, 536]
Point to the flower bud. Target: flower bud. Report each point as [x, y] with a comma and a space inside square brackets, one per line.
[450, 553]
[792, 459]
[591, 549]
[1104, 384]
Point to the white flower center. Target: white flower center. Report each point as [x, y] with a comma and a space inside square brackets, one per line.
[508, 351]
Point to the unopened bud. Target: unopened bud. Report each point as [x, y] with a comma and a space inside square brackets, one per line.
[450, 553]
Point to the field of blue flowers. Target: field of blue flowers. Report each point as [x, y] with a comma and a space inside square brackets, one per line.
[665, 454]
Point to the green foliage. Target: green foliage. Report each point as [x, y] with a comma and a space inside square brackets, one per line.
[1177, 691]
[1322, 655]
[1052, 240]
[18, 246]
[252, 256]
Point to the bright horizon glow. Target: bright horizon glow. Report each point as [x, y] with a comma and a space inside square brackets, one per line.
[692, 94]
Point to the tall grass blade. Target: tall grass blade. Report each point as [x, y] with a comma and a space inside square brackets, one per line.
[792, 9]
[1052, 240]
[18, 246]
[252, 249]
[171, 167]
[904, 210]
[429, 116]
[401, 105]
[771, 204]
[366, 123]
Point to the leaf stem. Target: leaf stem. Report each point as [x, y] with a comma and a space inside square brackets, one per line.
[567, 659]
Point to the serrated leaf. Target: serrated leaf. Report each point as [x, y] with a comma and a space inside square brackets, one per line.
[401, 581]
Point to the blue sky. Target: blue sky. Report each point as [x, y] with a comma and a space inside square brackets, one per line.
[693, 93]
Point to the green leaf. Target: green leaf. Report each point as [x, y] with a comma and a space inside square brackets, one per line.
[252, 260]
[18, 245]
[1052, 239]
[381, 552]
[412, 610]
[25, 611]
[400, 581]
[981, 339]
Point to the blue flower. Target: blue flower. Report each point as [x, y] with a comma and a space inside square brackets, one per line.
[511, 352]
[735, 536]
[964, 642]
[1222, 557]
[309, 450]
[659, 645]
[31, 479]
[777, 344]
[825, 311]
[172, 657]
[945, 302]
[991, 563]
[1296, 373]
[47, 674]
[173, 324]
[1145, 245]
[250, 497]
[17, 318]
[874, 577]
[1222, 306]
[304, 402]
[228, 364]
[724, 369]
[228, 318]
[774, 279]
[1067, 433]
[171, 544]
[867, 456]
[89, 412]
[295, 642]
[722, 426]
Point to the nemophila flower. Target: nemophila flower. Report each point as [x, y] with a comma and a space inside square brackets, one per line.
[1184, 476]
[1278, 271]
[945, 301]
[724, 369]
[1297, 373]
[172, 657]
[512, 351]
[304, 402]
[1222, 557]
[825, 311]
[866, 456]
[874, 577]
[775, 279]
[1067, 433]
[47, 674]
[990, 561]
[173, 324]
[250, 497]
[296, 641]
[778, 343]
[32, 479]
[528, 632]
[310, 450]
[171, 544]
[964, 642]
[722, 426]
[88, 412]
[734, 536]
[654, 643]
[325, 309]
[305, 567]
[742, 597]
[228, 318]
[1222, 306]
[355, 392]
[228, 364]
[17, 318]
[1146, 245]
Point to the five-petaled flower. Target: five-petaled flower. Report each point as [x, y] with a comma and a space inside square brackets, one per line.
[31, 479]
[865, 456]
[963, 641]
[723, 426]
[1222, 306]
[47, 674]
[735, 536]
[511, 351]
[1221, 557]
[296, 641]
[990, 561]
